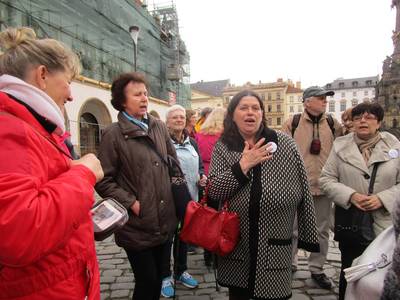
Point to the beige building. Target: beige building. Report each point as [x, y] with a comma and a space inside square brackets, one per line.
[274, 95]
[208, 94]
[294, 99]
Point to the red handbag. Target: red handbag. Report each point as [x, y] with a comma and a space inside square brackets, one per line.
[215, 231]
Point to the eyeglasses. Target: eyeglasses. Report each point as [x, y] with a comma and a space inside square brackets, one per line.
[366, 116]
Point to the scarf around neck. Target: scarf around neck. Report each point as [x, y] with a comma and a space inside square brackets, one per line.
[35, 98]
[366, 146]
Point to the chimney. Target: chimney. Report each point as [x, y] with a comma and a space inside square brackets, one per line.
[298, 84]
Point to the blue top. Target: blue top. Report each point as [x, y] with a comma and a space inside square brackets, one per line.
[189, 161]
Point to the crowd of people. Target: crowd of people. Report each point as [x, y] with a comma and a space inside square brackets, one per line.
[289, 188]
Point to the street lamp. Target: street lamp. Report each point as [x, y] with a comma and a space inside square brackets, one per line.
[134, 31]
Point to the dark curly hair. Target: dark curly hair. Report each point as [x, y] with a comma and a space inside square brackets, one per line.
[369, 107]
[118, 88]
[231, 133]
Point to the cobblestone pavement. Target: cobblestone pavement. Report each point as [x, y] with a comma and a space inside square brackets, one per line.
[117, 280]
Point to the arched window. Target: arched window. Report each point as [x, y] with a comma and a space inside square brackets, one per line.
[89, 133]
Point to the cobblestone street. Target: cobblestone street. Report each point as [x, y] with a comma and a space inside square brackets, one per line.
[117, 277]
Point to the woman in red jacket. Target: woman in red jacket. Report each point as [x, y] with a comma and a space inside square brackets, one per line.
[46, 249]
[206, 138]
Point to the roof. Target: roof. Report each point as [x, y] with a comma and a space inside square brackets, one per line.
[352, 83]
[214, 88]
[293, 90]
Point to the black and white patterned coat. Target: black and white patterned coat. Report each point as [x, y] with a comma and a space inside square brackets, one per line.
[266, 201]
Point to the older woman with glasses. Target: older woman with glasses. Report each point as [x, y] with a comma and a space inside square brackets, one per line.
[347, 174]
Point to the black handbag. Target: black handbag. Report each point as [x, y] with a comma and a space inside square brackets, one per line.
[353, 224]
[179, 188]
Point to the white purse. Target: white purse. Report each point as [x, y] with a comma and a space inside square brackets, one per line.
[366, 276]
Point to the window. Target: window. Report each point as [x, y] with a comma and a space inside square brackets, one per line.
[354, 102]
[300, 98]
[291, 108]
[342, 105]
[373, 92]
[299, 108]
[341, 85]
[269, 121]
[365, 93]
[354, 94]
[328, 86]
[369, 82]
[332, 106]
[343, 94]
[291, 99]
[354, 83]
[262, 97]
[278, 108]
[269, 96]
[278, 121]
[278, 95]
[269, 108]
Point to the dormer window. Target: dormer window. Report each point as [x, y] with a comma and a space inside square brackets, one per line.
[354, 83]
[341, 85]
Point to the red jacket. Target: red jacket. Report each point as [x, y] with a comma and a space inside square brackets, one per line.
[46, 247]
[206, 144]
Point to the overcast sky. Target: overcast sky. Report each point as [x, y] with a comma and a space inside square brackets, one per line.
[315, 41]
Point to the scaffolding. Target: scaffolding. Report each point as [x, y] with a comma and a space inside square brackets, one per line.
[98, 32]
[178, 70]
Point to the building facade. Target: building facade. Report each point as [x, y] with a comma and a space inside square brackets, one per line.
[349, 93]
[208, 94]
[98, 32]
[273, 95]
[294, 99]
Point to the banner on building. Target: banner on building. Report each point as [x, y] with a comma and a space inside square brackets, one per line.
[172, 98]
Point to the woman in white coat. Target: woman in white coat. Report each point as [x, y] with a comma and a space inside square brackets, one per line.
[346, 176]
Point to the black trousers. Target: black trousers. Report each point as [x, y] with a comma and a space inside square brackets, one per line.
[349, 251]
[146, 267]
[236, 293]
[179, 249]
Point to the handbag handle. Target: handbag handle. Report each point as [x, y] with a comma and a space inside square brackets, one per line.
[203, 200]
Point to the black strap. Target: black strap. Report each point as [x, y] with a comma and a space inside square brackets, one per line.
[296, 120]
[331, 124]
[295, 123]
[372, 180]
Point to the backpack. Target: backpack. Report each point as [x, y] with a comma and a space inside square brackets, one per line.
[296, 120]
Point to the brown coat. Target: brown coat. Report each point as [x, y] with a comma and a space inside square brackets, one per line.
[133, 171]
[303, 137]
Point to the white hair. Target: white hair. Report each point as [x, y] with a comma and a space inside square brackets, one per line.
[173, 108]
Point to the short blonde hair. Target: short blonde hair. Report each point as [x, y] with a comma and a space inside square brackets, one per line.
[214, 123]
[22, 51]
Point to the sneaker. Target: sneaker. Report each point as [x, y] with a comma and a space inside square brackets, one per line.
[191, 249]
[322, 280]
[187, 280]
[167, 288]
